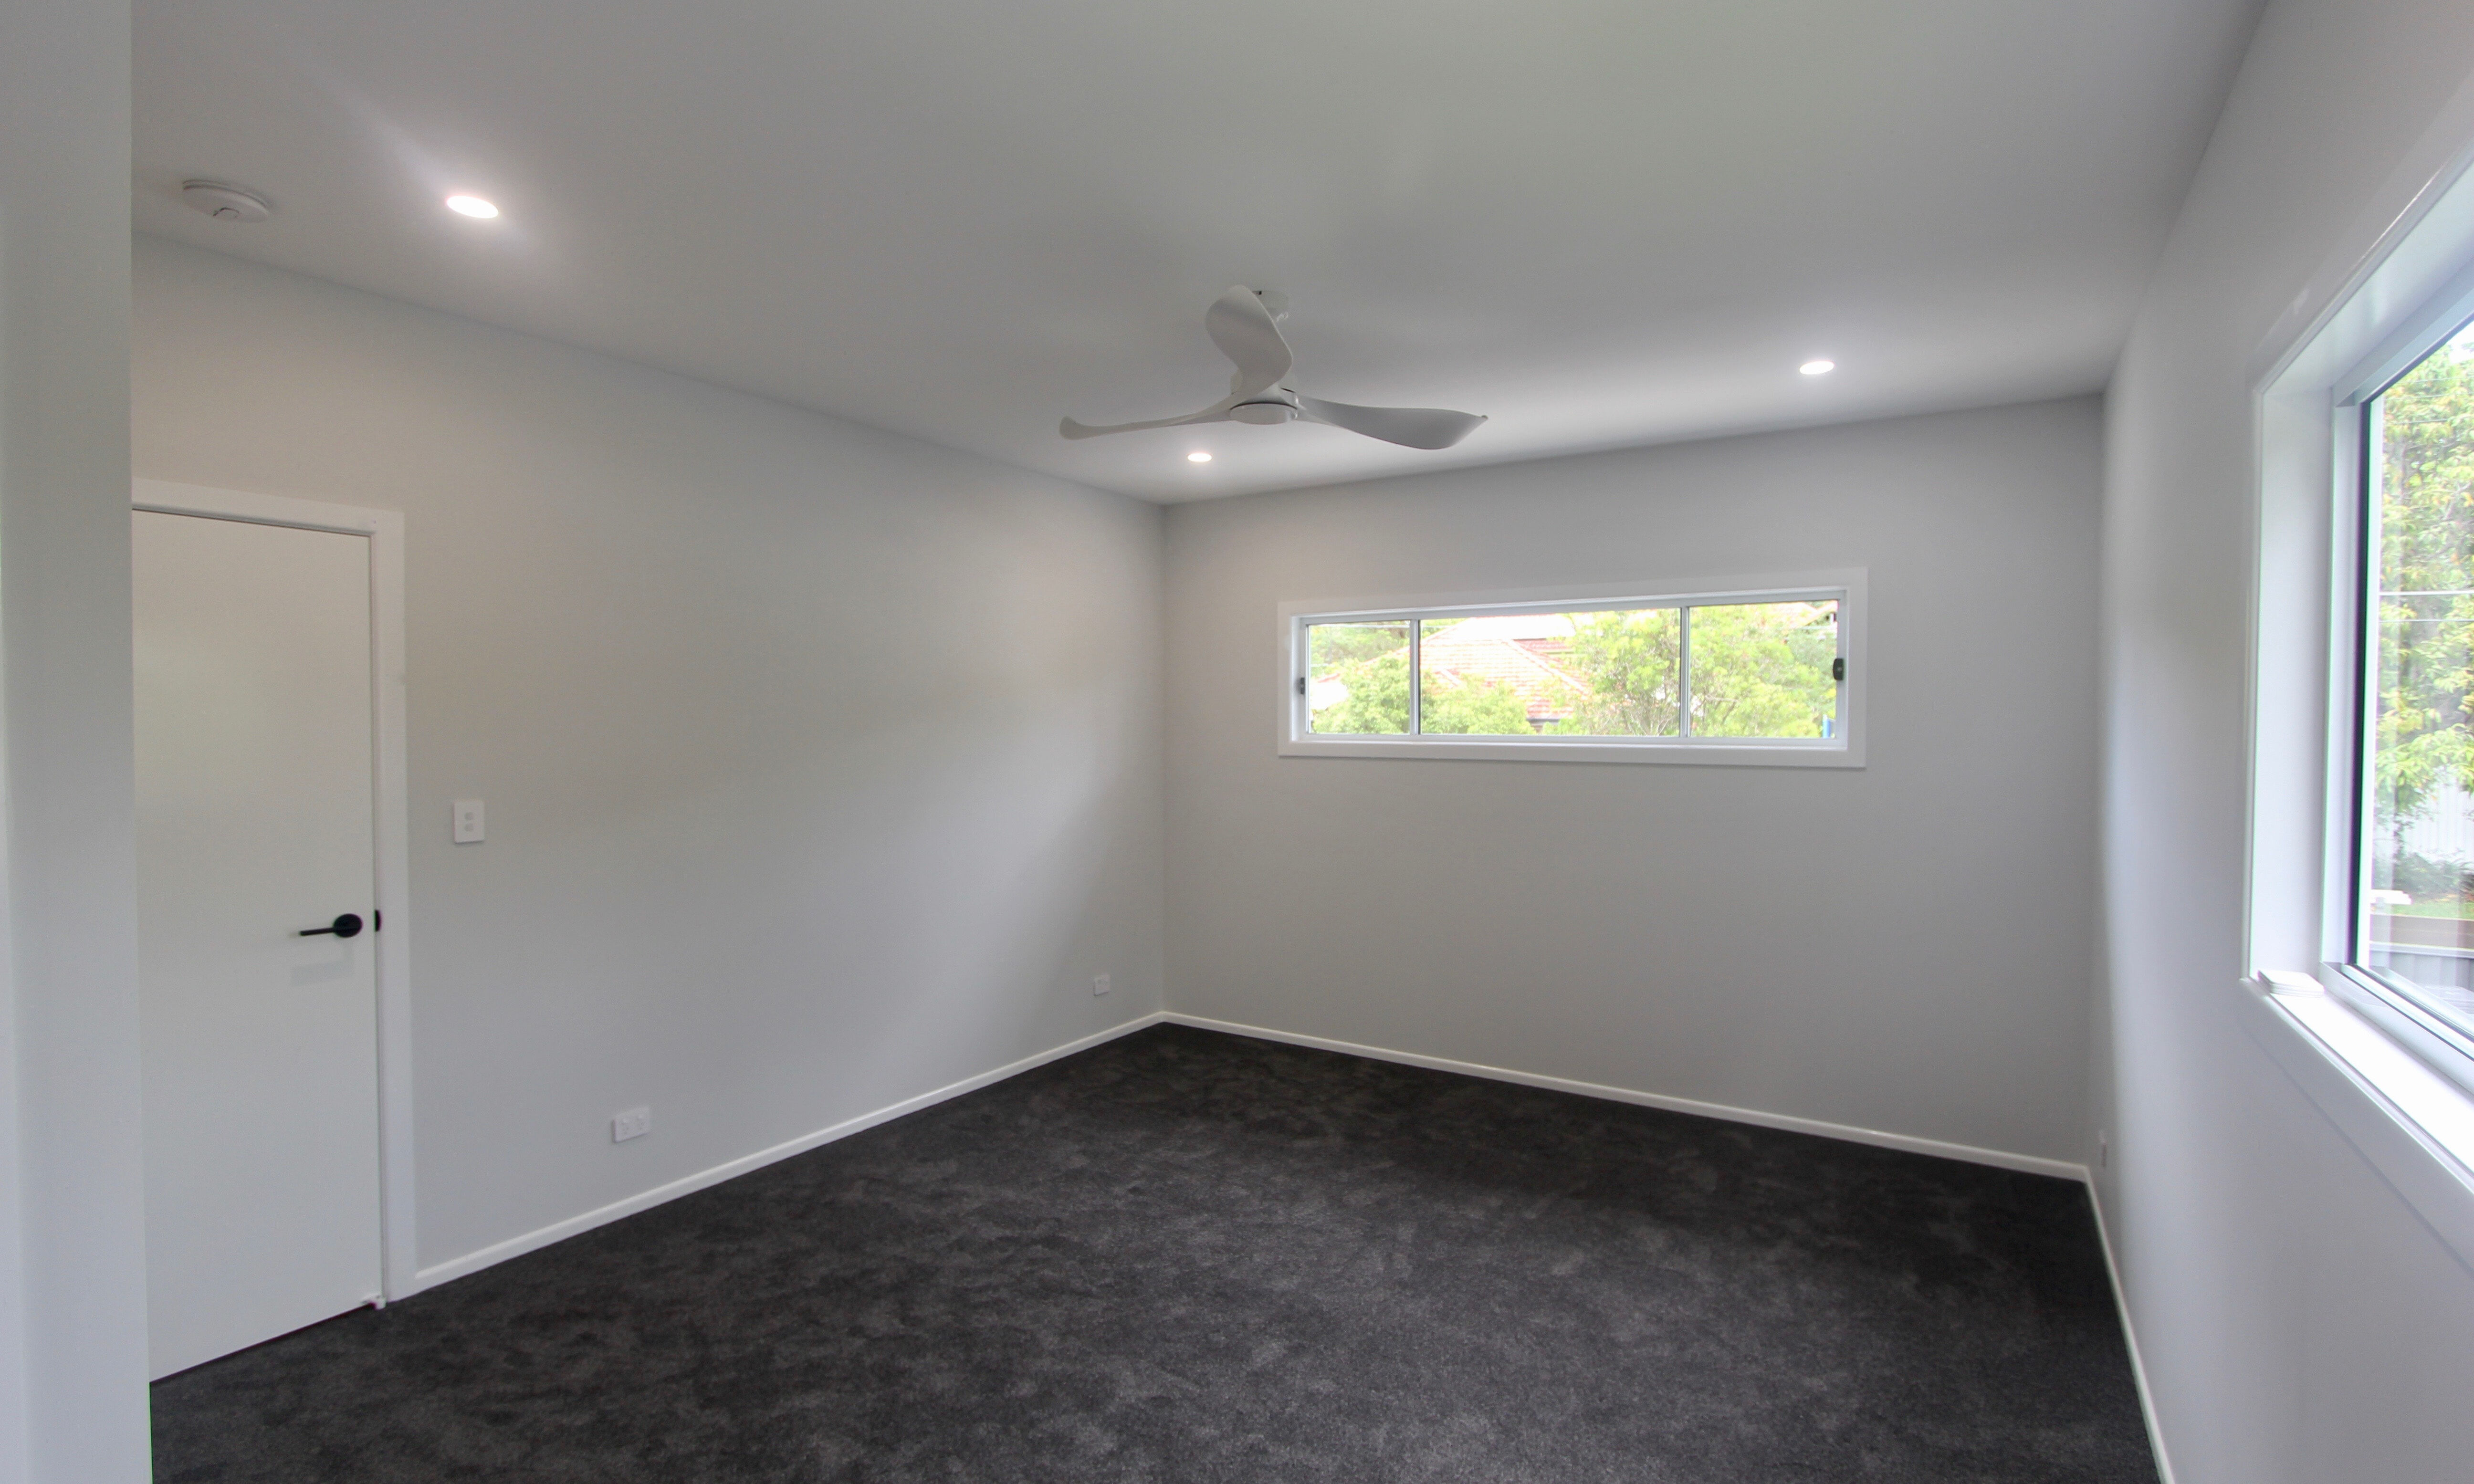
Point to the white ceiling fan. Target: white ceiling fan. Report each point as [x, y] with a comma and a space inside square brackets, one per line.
[1244, 325]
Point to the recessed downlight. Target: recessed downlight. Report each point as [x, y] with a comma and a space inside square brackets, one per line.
[471, 205]
[1198, 457]
[1818, 368]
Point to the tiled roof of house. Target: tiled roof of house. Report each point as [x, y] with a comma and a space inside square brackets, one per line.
[1525, 651]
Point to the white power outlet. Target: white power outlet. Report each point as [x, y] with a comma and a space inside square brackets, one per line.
[1099, 983]
[633, 1124]
[468, 822]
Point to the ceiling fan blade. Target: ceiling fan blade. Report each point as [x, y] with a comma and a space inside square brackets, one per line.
[1073, 430]
[1245, 333]
[1414, 428]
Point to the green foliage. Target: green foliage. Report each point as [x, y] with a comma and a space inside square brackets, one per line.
[2424, 721]
[1378, 702]
[1629, 661]
[1758, 669]
[1378, 692]
[1763, 670]
[2426, 880]
[1334, 644]
[1475, 707]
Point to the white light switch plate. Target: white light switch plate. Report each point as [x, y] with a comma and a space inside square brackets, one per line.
[633, 1124]
[468, 822]
[1100, 984]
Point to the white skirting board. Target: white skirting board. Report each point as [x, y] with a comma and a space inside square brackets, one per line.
[530, 1241]
[2130, 1340]
[2033, 1164]
[559, 1231]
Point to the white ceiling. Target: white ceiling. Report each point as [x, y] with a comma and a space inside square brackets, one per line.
[1601, 221]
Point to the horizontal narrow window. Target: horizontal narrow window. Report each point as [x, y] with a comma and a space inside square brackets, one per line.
[1651, 677]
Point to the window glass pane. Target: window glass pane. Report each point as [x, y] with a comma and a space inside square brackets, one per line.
[2418, 874]
[1498, 674]
[1628, 666]
[1357, 679]
[1566, 675]
[1764, 669]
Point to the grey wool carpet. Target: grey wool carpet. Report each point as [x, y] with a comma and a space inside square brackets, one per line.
[1184, 1256]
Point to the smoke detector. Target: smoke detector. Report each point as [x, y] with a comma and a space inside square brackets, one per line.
[225, 203]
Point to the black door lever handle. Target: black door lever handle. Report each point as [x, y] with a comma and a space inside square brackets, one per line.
[345, 926]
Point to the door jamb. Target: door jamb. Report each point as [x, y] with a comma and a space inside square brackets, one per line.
[398, 1257]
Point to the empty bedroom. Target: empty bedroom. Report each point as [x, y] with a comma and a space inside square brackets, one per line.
[1411, 742]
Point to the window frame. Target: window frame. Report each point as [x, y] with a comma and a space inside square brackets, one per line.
[2393, 275]
[1846, 586]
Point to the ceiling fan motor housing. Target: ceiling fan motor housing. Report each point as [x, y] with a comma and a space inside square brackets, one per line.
[225, 203]
[1262, 414]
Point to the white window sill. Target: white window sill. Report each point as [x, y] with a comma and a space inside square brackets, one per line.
[2416, 1127]
[1734, 754]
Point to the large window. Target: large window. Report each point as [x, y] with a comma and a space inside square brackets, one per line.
[2361, 834]
[1738, 673]
[2413, 909]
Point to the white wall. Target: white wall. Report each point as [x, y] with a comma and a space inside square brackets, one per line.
[2298, 1320]
[1903, 948]
[72, 1268]
[821, 765]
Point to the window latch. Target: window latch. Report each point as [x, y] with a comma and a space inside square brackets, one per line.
[1839, 668]
[1301, 685]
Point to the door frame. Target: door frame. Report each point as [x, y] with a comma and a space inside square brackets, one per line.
[397, 1234]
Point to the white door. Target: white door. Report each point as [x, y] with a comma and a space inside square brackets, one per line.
[254, 821]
